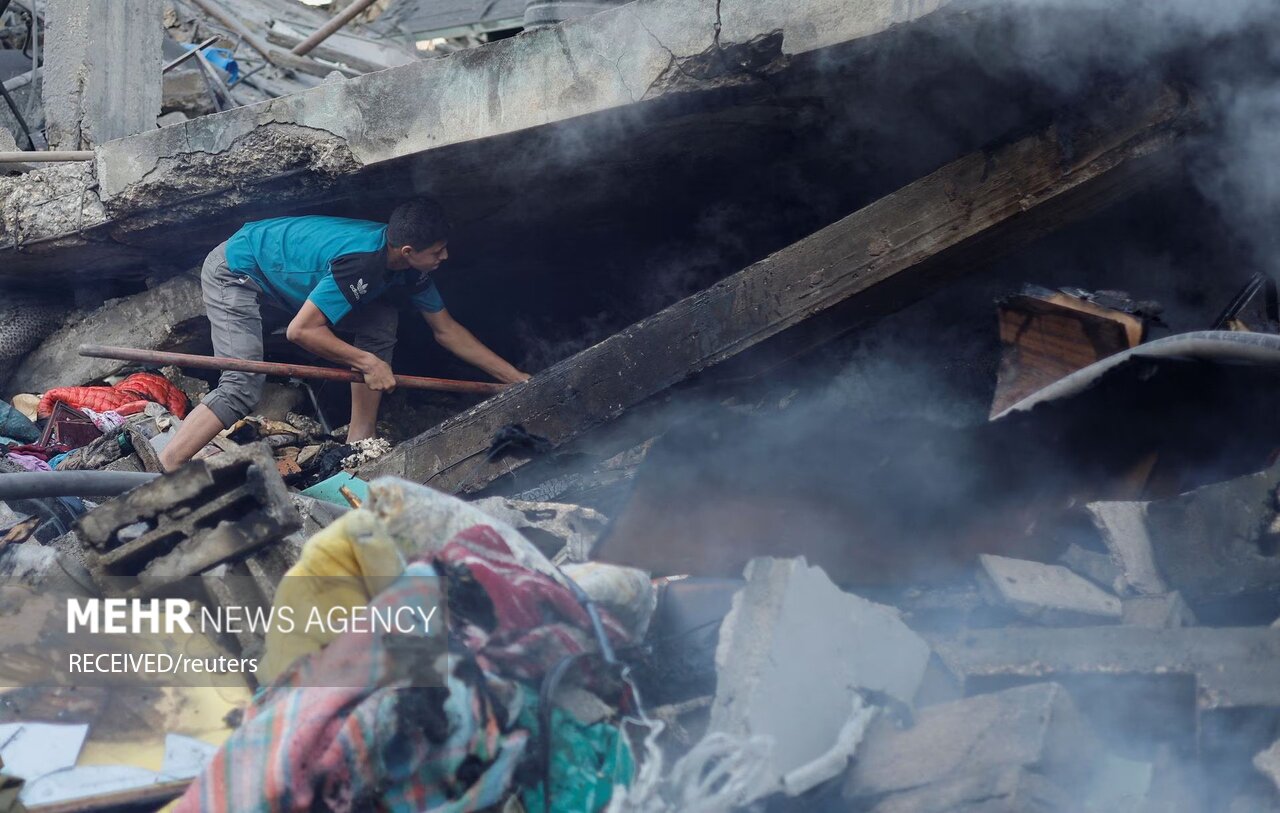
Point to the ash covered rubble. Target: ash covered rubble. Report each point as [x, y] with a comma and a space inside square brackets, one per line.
[699, 565]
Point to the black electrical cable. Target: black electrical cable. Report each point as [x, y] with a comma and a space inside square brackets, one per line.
[13, 107]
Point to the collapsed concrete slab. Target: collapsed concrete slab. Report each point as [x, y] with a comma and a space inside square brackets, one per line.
[297, 147]
[1215, 688]
[169, 316]
[1050, 594]
[795, 655]
[1216, 545]
[872, 262]
[1034, 727]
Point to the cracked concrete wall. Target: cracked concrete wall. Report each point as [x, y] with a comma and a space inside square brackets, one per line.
[305, 143]
[101, 70]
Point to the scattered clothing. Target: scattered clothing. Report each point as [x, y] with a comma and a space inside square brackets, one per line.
[16, 425]
[127, 397]
[29, 462]
[395, 744]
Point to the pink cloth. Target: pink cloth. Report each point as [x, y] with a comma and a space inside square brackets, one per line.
[29, 462]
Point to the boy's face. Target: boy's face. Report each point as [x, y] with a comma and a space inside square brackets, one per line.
[428, 259]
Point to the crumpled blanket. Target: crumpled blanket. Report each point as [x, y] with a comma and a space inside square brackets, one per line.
[137, 387]
[388, 744]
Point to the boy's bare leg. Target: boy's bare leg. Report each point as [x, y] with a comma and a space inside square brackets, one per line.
[364, 413]
[199, 427]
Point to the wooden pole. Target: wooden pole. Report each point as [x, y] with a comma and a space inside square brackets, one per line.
[412, 382]
[325, 31]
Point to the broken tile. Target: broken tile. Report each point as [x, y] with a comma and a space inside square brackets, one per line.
[794, 653]
[1036, 727]
[1050, 594]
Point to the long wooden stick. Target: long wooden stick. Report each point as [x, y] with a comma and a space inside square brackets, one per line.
[272, 368]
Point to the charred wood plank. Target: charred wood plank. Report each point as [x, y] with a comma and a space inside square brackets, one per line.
[870, 263]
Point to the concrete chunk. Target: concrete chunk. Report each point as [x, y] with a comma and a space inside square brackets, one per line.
[1232, 667]
[794, 652]
[1167, 610]
[1035, 727]
[1216, 544]
[1099, 568]
[1268, 763]
[1048, 593]
[1124, 530]
[1004, 790]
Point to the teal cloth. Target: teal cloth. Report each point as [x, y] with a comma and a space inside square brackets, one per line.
[586, 761]
[15, 425]
[335, 262]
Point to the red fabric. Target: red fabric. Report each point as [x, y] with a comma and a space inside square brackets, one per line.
[139, 386]
[538, 620]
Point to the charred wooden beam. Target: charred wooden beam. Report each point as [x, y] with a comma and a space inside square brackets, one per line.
[871, 263]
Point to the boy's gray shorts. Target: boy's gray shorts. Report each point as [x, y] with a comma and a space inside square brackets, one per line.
[233, 303]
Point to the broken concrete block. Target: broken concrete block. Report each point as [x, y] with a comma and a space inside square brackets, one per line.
[1220, 658]
[169, 316]
[1167, 610]
[230, 586]
[1003, 790]
[1124, 530]
[1050, 594]
[1216, 545]
[1036, 727]
[796, 652]
[553, 527]
[1268, 763]
[190, 520]
[1099, 568]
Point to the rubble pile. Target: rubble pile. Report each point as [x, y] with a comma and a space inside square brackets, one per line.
[708, 562]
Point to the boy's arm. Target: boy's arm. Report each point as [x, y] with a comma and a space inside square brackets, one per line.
[310, 330]
[455, 338]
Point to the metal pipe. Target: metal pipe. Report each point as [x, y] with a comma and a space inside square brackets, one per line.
[178, 60]
[34, 484]
[412, 382]
[45, 156]
[325, 31]
[275, 56]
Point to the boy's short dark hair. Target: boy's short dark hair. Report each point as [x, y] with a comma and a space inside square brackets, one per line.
[419, 223]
